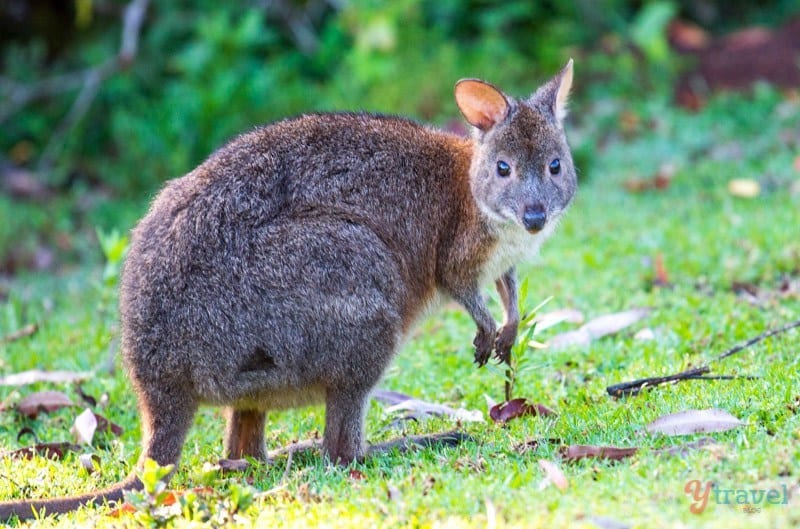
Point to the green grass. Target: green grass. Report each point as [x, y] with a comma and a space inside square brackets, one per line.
[599, 261]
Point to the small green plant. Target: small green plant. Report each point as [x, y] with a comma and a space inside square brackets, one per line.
[115, 247]
[218, 504]
[519, 361]
[153, 502]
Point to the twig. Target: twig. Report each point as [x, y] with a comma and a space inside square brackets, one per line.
[285, 476]
[19, 95]
[766, 334]
[91, 85]
[24, 332]
[88, 80]
[635, 386]
[94, 77]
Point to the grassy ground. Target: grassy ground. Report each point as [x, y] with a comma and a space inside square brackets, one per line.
[600, 261]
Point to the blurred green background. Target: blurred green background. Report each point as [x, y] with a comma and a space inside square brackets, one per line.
[76, 156]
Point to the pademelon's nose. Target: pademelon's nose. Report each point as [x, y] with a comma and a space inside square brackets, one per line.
[534, 218]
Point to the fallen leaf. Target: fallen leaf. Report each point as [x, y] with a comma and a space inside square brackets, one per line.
[90, 462]
[554, 474]
[613, 323]
[24, 332]
[43, 401]
[104, 425]
[84, 427]
[660, 181]
[578, 452]
[122, 510]
[645, 334]
[385, 396]
[49, 450]
[422, 409]
[357, 475]
[570, 338]
[552, 318]
[169, 498]
[598, 328]
[661, 278]
[35, 375]
[744, 188]
[393, 493]
[506, 411]
[694, 421]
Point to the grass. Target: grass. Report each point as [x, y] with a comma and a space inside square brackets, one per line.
[600, 261]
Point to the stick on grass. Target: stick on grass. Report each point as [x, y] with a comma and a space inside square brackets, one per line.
[635, 386]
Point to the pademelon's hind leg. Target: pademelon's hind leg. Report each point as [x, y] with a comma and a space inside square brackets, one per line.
[345, 408]
[167, 414]
[244, 434]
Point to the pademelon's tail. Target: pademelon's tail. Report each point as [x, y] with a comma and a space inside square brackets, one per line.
[29, 509]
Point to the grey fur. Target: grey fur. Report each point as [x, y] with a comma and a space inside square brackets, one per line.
[286, 269]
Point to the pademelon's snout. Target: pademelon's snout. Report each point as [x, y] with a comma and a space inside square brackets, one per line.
[534, 218]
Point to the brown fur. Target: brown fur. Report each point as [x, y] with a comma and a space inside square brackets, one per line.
[286, 269]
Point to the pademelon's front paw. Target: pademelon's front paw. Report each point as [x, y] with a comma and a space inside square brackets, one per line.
[506, 337]
[484, 344]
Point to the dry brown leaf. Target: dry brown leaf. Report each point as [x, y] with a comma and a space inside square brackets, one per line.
[90, 462]
[43, 401]
[50, 450]
[577, 452]
[694, 421]
[552, 318]
[570, 338]
[421, 409]
[393, 494]
[388, 397]
[37, 375]
[123, 510]
[598, 328]
[170, 498]
[84, 426]
[554, 474]
[104, 425]
[613, 323]
[661, 278]
[357, 475]
[506, 411]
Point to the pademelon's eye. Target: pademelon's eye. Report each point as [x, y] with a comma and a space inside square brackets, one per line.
[503, 169]
[555, 166]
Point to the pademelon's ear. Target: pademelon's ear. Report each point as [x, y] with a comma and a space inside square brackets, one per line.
[552, 96]
[482, 104]
[564, 79]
